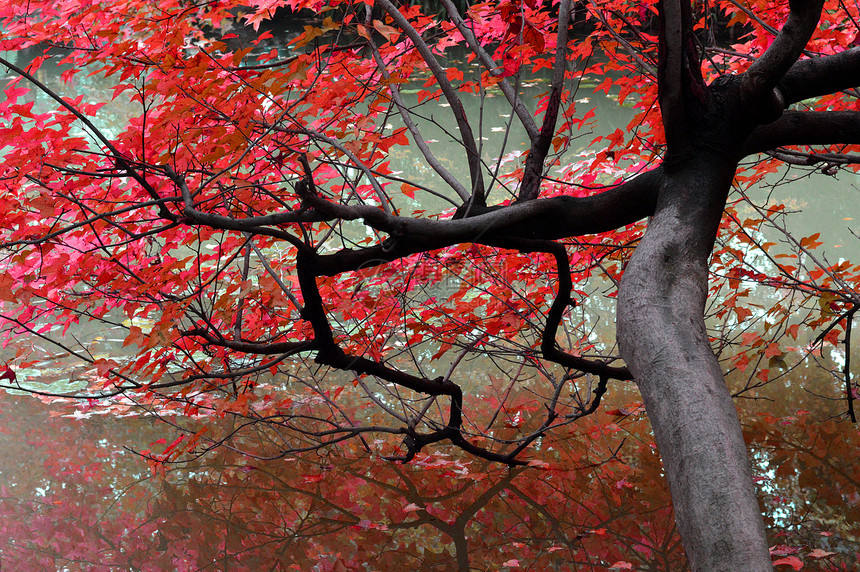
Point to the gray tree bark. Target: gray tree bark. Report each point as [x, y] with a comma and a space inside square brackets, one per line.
[662, 337]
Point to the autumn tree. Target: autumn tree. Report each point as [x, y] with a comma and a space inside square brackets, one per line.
[246, 230]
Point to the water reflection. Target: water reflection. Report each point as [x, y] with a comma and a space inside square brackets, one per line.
[596, 498]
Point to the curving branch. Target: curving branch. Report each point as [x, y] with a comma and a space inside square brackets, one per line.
[406, 117]
[123, 162]
[253, 225]
[549, 347]
[355, 161]
[620, 35]
[846, 368]
[88, 221]
[829, 162]
[553, 218]
[329, 353]
[256, 348]
[764, 74]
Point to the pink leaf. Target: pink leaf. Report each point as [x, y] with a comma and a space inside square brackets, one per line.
[818, 553]
[792, 561]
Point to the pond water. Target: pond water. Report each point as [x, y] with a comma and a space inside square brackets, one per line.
[191, 500]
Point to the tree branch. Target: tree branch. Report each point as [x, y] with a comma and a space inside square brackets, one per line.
[256, 348]
[467, 138]
[563, 299]
[329, 352]
[681, 88]
[533, 169]
[492, 68]
[417, 138]
[253, 225]
[121, 160]
[552, 218]
[765, 73]
[821, 76]
[805, 128]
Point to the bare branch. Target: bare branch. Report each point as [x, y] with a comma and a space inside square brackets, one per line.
[417, 138]
[492, 68]
[533, 169]
[467, 138]
[821, 76]
[805, 128]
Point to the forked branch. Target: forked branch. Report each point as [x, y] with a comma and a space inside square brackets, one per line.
[764, 74]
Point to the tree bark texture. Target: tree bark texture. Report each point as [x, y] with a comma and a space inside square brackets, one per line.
[662, 337]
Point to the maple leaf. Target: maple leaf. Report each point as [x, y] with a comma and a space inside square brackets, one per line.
[9, 374]
[389, 33]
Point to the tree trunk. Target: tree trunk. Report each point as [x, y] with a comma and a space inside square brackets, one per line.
[661, 332]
